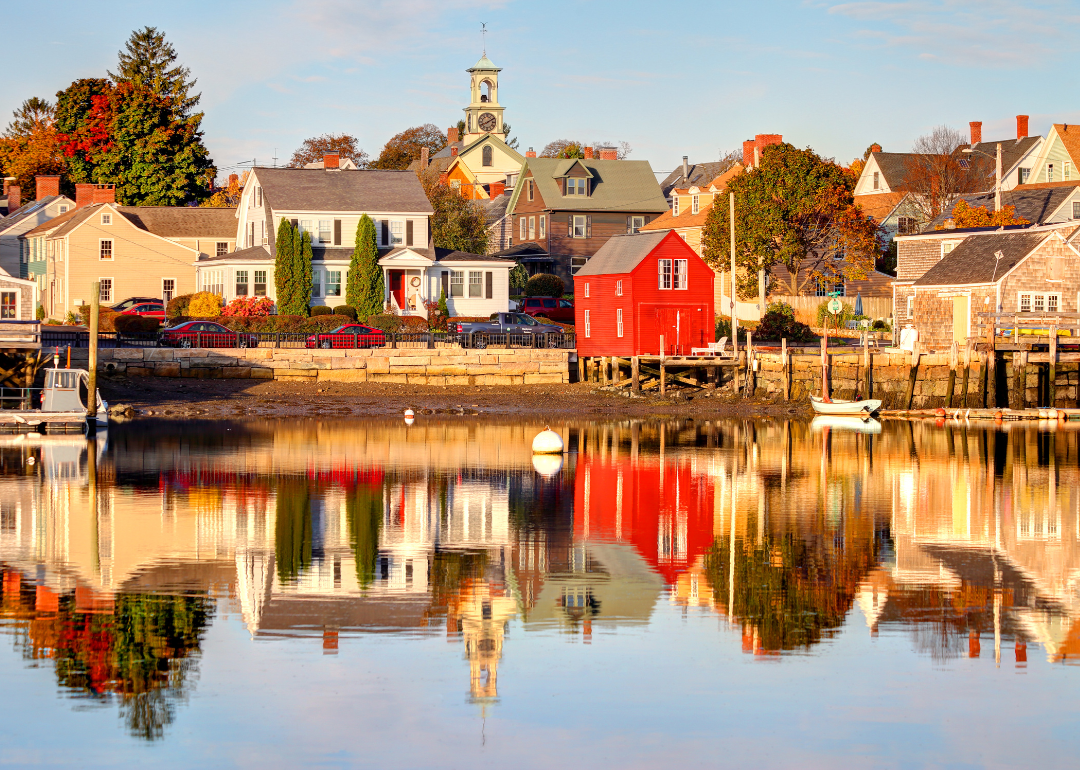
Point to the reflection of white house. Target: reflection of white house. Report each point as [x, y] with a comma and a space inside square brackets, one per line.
[474, 285]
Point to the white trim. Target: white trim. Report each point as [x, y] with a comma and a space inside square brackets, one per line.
[112, 249]
[17, 292]
[588, 326]
[618, 322]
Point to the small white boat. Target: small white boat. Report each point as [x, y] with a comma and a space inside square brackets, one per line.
[840, 407]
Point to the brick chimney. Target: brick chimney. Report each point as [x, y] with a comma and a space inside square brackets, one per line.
[7, 183]
[609, 153]
[748, 154]
[444, 178]
[976, 132]
[875, 147]
[1021, 126]
[84, 195]
[424, 157]
[451, 135]
[331, 160]
[104, 193]
[453, 152]
[14, 197]
[497, 189]
[588, 153]
[234, 179]
[46, 186]
[761, 141]
[686, 167]
[531, 153]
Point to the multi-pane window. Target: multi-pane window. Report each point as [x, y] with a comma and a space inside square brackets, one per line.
[681, 268]
[663, 273]
[1076, 210]
[1051, 303]
[618, 322]
[877, 181]
[1023, 175]
[241, 283]
[577, 186]
[586, 288]
[316, 283]
[305, 226]
[588, 325]
[1066, 171]
[9, 305]
[213, 281]
[105, 290]
[529, 188]
[675, 205]
[695, 204]
[106, 249]
[580, 227]
[260, 283]
[106, 219]
[521, 227]
[947, 247]
[168, 289]
[1049, 172]
[1039, 302]
[333, 283]
[532, 228]
[906, 225]
[543, 226]
[476, 283]
[457, 283]
[618, 288]
[222, 248]
[397, 233]
[636, 223]
[324, 231]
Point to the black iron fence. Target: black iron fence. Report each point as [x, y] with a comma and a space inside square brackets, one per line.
[324, 340]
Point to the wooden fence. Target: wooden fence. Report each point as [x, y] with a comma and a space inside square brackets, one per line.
[806, 308]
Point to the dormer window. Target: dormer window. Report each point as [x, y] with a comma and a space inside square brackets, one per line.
[696, 205]
[577, 187]
[675, 206]
[63, 208]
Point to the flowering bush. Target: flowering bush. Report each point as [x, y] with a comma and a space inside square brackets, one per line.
[204, 304]
[249, 307]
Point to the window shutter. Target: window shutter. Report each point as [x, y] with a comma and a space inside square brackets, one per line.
[570, 229]
[337, 232]
[446, 282]
[489, 280]
[386, 231]
[408, 232]
[588, 225]
[629, 226]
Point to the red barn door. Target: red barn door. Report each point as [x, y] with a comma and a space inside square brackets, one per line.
[682, 329]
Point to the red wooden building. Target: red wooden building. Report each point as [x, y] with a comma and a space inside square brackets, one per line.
[639, 288]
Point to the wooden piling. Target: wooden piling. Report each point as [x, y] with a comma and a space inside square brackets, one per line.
[635, 374]
[751, 378]
[580, 369]
[1053, 366]
[825, 366]
[91, 385]
[913, 375]
[951, 387]
[785, 370]
[967, 372]
[605, 379]
[616, 370]
[663, 376]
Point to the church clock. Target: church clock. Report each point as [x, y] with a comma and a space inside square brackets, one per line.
[487, 122]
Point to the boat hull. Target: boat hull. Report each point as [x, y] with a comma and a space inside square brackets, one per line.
[840, 408]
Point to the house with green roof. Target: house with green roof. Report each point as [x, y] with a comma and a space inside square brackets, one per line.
[569, 208]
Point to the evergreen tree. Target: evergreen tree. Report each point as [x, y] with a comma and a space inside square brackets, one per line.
[365, 285]
[150, 62]
[73, 106]
[302, 297]
[283, 266]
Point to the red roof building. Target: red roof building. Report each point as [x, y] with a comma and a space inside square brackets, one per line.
[639, 289]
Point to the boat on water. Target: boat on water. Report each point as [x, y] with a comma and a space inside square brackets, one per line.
[840, 407]
[62, 404]
[868, 426]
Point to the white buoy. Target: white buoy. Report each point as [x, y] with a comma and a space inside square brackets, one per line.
[547, 465]
[409, 420]
[1051, 414]
[409, 413]
[30, 461]
[1042, 414]
[547, 442]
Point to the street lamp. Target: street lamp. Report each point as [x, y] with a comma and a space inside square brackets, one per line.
[997, 176]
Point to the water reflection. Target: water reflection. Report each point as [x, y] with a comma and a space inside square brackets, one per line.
[115, 559]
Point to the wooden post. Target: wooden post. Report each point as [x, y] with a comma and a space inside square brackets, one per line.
[580, 369]
[616, 370]
[868, 364]
[663, 377]
[785, 370]
[751, 379]
[635, 374]
[990, 367]
[91, 386]
[967, 372]
[953, 356]
[825, 366]
[604, 378]
[1016, 396]
[913, 376]
[1053, 365]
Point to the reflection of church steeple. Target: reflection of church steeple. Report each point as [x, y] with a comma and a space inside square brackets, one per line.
[483, 610]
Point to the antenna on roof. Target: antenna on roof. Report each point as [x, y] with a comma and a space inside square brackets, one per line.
[275, 157]
[483, 35]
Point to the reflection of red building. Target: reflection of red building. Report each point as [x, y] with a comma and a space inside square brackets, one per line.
[661, 508]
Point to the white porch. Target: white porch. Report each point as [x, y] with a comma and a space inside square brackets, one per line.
[475, 286]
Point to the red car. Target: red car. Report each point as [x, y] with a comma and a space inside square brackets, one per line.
[147, 310]
[348, 336]
[561, 310]
[205, 334]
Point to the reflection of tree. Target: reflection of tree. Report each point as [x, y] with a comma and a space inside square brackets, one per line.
[143, 651]
[364, 509]
[790, 591]
[293, 535]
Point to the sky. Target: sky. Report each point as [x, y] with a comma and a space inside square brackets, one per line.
[672, 79]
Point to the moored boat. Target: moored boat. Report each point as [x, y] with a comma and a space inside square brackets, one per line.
[62, 403]
[842, 407]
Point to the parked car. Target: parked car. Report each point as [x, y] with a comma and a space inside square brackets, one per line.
[561, 310]
[205, 334]
[133, 301]
[348, 336]
[155, 309]
[531, 331]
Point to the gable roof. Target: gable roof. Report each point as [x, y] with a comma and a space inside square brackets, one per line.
[28, 209]
[1070, 140]
[617, 185]
[894, 166]
[363, 190]
[1035, 205]
[699, 174]
[973, 260]
[1047, 185]
[1012, 151]
[622, 253]
[183, 221]
[880, 205]
[64, 221]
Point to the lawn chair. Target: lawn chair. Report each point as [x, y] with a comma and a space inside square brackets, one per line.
[718, 348]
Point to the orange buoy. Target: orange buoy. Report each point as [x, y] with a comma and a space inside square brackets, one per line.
[940, 412]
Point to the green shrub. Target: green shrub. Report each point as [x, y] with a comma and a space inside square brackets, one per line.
[387, 322]
[288, 323]
[321, 310]
[106, 316]
[204, 304]
[348, 310]
[544, 285]
[444, 311]
[135, 324]
[880, 325]
[847, 313]
[779, 323]
[324, 323]
[178, 306]
[723, 329]
[40, 313]
[518, 277]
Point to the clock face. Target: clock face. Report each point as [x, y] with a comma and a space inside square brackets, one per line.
[487, 122]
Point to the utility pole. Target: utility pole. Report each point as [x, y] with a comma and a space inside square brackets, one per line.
[91, 386]
[734, 318]
[997, 181]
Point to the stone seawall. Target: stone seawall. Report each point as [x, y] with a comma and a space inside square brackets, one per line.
[415, 366]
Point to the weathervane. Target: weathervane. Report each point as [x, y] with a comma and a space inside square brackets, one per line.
[483, 35]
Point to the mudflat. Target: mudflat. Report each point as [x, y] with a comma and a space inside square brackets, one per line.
[229, 399]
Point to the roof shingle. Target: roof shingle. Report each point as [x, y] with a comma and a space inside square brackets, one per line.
[621, 254]
[365, 190]
[974, 261]
[183, 221]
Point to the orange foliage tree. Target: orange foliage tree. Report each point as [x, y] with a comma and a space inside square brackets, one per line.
[965, 215]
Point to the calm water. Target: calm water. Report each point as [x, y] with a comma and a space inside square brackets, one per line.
[679, 594]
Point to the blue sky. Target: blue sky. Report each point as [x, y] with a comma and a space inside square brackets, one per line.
[669, 78]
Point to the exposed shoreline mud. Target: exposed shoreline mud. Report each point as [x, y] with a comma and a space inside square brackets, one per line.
[231, 399]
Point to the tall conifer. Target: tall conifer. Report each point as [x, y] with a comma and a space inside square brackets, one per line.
[302, 298]
[283, 266]
[365, 275]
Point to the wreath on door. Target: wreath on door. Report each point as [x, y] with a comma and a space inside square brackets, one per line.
[414, 281]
